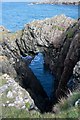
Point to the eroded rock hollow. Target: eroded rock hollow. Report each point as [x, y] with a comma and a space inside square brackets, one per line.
[59, 40]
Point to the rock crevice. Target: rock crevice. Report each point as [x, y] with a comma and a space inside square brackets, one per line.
[58, 38]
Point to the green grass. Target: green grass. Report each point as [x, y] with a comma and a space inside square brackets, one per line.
[72, 112]
[65, 104]
[58, 27]
[12, 112]
[73, 98]
[27, 105]
[65, 107]
[2, 81]
[70, 34]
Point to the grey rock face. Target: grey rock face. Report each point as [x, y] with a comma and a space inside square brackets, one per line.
[63, 57]
[36, 37]
[41, 33]
[58, 39]
[76, 73]
[14, 94]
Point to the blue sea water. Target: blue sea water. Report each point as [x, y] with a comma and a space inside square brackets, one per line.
[44, 76]
[16, 14]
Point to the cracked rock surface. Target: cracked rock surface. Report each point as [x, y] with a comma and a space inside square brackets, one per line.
[12, 94]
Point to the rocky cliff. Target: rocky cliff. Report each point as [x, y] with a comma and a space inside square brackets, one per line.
[58, 38]
[41, 33]
[58, 2]
[65, 55]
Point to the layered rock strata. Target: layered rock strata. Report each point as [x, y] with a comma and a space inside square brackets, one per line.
[58, 38]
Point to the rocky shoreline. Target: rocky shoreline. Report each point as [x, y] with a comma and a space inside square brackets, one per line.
[66, 2]
[58, 39]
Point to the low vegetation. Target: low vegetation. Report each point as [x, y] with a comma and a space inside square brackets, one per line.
[59, 28]
[65, 108]
[12, 112]
[10, 35]
[70, 34]
[2, 80]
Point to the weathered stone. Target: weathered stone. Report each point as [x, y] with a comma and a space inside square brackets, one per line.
[76, 2]
[77, 103]
[2, 28]
[30, 83]
[76, 74]
[16, 95]
[58, 39]
[10, 94]
[76, 71]
[64, 56]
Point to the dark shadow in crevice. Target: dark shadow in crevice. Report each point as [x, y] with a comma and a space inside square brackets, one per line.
[28, 80]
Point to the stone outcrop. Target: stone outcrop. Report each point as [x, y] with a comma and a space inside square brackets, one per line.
[29, 81]
[13, 65]
[15, 95]
[39, 34]
[58, 39]
[2, 28]
[76, 2]
[63, 57]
